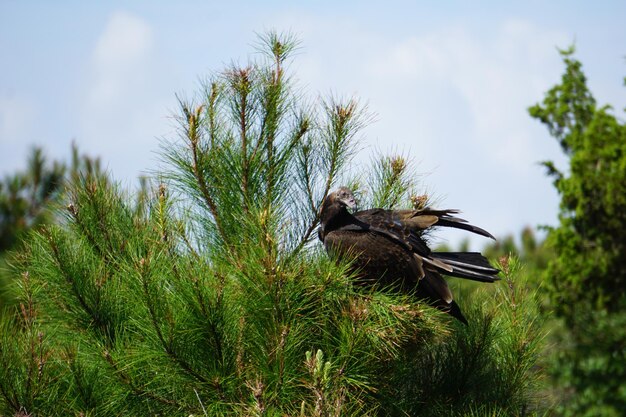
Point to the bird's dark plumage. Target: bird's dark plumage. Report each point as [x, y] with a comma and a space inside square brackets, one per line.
[389, 250]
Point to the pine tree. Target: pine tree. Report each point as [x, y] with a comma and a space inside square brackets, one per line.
[28, 198]
[212, 297]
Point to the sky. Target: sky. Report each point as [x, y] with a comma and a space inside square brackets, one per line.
[449, 82]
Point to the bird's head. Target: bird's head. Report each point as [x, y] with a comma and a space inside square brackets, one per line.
[344, 197]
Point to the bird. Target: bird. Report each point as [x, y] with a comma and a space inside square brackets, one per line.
[388, 249]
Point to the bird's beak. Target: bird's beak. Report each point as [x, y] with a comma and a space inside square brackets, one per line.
[350, 203]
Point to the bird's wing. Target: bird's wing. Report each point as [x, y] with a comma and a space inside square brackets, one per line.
[420, 220]
[406, 227]
[390, 223]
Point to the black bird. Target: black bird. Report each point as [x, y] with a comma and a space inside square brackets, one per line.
[389, 251]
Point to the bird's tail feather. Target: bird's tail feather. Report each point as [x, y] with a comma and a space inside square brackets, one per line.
[434, 289]
[446, 218]
[455, 223]
[468, 265]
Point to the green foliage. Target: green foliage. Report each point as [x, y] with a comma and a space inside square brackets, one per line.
[587, 276]
[24, 198]
[485, 366]
[209, 296]
[27, 201]
[142, 325]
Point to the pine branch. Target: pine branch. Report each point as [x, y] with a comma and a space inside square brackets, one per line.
[212, 113]
[344, 121]
[13, 401]
[166, 345]
[86, 232]
[141, 392]
[69, 279]
[305, 166]
[240, 81]
[193, 136]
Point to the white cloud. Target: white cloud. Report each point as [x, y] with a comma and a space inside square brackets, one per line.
[455, 83]
[119, 57]
[122, 109]
[497, 79]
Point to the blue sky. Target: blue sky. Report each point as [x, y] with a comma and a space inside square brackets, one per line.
[449, 82]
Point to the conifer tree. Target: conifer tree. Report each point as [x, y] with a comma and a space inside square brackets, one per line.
[28, 198]
[587, 276]
[212, 297]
